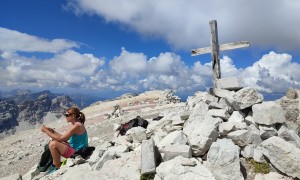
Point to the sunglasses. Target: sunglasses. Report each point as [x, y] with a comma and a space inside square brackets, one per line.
[67, 115]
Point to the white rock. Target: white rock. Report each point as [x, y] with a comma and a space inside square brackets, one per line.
[258, 154]
[171, 151]
[230, 83]
[248, 151]
[221, 113]
[16, 176]
[77, 173]
[148, 157]
[108, 155]
[289, 135]
[240, 137]
[223, 160]
[283, 155]
[225, 128]
[268, 113]
[271, 175]
[237, 116]
[178, 169]
[126, 167]
[138, 134]
[267, 131]
[244, 98]
[176, 137]
[223, 93]
[202, 135]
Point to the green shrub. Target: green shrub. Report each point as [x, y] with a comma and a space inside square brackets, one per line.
[259, 167]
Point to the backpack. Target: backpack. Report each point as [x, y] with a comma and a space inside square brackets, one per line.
[46, 159]
[138, 121]
[85, 152]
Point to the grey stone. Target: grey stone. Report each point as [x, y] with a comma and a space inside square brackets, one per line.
[148, 157]
[172, 151]
[244, 98]
[16, 176]
[223, 160]
[283, 155]
[230, 83]
[181, 168]
[268, 113]
[241, 137]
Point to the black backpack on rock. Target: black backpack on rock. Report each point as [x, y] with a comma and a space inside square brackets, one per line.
[138, 121]
[46, 159]
[85, 153]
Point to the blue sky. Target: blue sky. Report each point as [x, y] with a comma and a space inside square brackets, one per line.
[110, 47]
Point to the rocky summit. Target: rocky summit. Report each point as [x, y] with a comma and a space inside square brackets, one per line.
[22, 110]
[228, 133]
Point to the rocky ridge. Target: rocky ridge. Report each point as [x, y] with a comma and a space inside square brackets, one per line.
[27, 110]
[209, 136]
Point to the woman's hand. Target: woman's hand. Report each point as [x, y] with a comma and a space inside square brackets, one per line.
[43, 128]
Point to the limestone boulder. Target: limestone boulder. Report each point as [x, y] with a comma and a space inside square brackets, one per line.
[290, 107]
[283, 155]
[271, 175]
[198, 113]
[268, 113]
[171, 151]
[136, 134]
[126, 167]
[223, 93]
[244, 98]
[221, 113]
[223, 160]
[289, 136]
[202, 135]
[237, 116]
[148, 157]
[176, 137]
[76, 173]
[230, 83]
[200, 97]
[241, 137]
[182, 168]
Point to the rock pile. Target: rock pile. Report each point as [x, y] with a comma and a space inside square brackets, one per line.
[207, 137]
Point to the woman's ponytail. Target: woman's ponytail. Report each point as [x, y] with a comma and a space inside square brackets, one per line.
[81, 117]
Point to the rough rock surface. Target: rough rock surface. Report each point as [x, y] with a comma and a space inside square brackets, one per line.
[189, 142]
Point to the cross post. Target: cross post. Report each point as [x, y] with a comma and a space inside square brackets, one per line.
[215, 49]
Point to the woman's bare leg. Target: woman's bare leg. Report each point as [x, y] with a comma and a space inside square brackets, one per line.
[57, 149]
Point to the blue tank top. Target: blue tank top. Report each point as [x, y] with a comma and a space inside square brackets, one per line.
[78, 141]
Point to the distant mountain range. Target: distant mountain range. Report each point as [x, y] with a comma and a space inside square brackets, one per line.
[24, 109]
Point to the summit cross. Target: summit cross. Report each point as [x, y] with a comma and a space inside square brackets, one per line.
[215, 50]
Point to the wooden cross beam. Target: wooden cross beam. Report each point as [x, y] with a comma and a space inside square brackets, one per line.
[215, 50]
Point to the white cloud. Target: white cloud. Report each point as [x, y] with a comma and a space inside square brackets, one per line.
[228, 68]
[185, 24]
[166, 63]
[128, 64]
[273, 73]
[133, 71]
[17, 41]
[66, 69]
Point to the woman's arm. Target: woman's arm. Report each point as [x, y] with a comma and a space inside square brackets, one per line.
[58, 137]
[53, 131]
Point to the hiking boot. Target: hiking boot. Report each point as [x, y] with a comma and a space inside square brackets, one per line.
[51, 170]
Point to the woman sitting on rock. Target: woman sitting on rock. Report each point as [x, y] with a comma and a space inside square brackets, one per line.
[77, 135]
